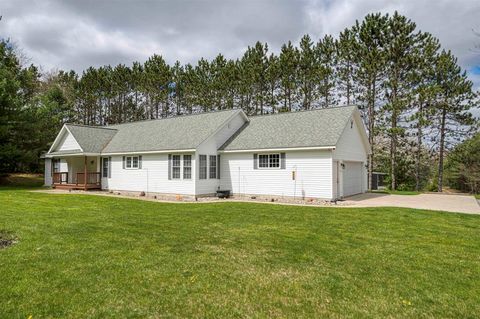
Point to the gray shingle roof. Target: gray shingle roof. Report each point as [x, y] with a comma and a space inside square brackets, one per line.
[313, 128]
[91, 139]
[176, 133]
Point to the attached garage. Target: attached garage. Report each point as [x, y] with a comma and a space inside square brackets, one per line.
[352, 178]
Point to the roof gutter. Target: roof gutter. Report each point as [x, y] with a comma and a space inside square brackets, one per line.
[310, 148]
[190, 150]
[70, 154]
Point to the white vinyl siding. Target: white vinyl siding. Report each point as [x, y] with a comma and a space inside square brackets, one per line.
[352, 178]
[351, 148]
[313, 175]
[152, 177]
[67, 143]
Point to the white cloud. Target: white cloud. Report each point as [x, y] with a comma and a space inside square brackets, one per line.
[77, 34]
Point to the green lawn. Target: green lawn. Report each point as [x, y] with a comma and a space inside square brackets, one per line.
[83, 256]
[395, 192]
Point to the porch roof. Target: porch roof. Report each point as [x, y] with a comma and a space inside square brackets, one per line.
[64, 153]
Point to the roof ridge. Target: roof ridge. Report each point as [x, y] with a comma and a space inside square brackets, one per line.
[175, 117]
[91, 126]
[303, 111]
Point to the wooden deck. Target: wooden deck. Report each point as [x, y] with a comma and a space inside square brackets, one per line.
[92, 181]
[76, 186]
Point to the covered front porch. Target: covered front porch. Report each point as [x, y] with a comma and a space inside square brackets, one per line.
[76, 172]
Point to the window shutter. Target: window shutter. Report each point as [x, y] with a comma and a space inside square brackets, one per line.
[109, 166]
[169, 166]
[52, 165]
[140, 162]
[255, 161]
[218, 166]
[123, 162]
[282, 160]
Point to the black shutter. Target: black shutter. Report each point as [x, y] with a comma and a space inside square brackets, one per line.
[123, 162]
[52, 165]
[255, 161]
[109, 166]
[218, 166]
[282, 160]
[140, 162]
[169, 166]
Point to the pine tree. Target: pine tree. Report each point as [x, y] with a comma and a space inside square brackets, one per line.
[370, 63]
[308, 66]
[455, 99]
[425, 89]
[402, 48]
[326, 57]
[346, 66]
[288, 61]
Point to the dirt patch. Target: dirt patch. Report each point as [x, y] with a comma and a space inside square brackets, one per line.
[7, 239]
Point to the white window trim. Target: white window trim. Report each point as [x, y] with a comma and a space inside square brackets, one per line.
[105, 160]
[131, 162]
[183, 166]
[180, 166]
[268, 158]
[209, 165]
[200, 167]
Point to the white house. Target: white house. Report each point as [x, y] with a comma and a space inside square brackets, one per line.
[310, 154]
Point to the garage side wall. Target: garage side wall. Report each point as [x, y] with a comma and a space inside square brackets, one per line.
[312, 170]
[351, 148]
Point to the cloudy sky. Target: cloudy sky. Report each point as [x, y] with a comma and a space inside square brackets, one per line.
[78, 34]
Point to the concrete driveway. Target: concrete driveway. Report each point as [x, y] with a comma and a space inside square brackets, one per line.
[445, 202]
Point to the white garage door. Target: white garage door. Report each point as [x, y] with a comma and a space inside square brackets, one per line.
[352, 178]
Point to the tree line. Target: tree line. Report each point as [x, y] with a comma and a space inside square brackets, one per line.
[414, 97]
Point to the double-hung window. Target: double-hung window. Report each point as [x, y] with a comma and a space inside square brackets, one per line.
[269, 160]
[131, 162]
[187, 166]
[203, 166]
[213, 167]
[176, 166]
[105, 165]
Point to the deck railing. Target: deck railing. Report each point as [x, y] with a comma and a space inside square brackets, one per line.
[60, 178]
[92, 178]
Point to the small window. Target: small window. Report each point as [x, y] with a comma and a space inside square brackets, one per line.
[269, 160]
[203, 167]
[175, 166]
[131, 162]
[187, 166]
[105, 164]
[213, 166]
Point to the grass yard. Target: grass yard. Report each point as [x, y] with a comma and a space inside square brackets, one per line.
[80, 256]
[395, 192]
[21, 180]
